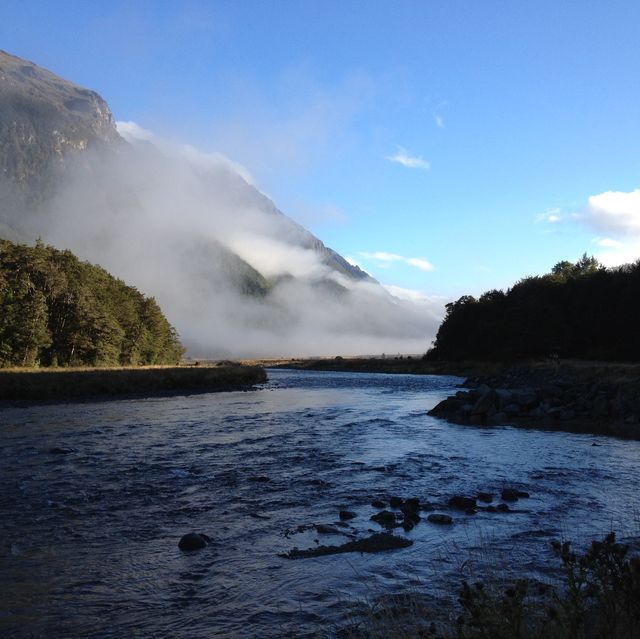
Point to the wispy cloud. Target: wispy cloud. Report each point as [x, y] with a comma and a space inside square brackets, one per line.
[607, 242]
[423, 265]
[381, 256]
[403, 157]
[383, 260]
[550, 216]
[439, 121]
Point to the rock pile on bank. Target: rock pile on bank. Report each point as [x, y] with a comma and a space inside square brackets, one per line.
[529, 397]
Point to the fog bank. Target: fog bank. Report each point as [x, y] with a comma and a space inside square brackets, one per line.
[236, 277]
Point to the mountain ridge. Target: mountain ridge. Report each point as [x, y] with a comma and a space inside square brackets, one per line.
[45, 119]
[233, 273]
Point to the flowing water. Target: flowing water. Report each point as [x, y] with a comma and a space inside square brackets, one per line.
[94, 497]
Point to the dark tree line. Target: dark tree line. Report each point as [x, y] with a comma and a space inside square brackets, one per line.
[58, 311]
[580, 310]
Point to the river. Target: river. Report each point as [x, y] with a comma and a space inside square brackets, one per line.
[94, 497]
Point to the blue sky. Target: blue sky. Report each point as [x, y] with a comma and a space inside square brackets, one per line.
[446, 147]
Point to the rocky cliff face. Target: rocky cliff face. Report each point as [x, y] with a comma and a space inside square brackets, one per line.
[46, 123]
[43, 118]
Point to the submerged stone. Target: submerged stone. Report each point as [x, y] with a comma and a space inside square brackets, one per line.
[463, 503]
[385, 518]
[378, 542]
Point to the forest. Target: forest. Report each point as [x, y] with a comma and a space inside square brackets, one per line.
[579, 310]
[56, 310]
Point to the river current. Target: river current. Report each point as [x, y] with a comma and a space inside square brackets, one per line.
[94, 497]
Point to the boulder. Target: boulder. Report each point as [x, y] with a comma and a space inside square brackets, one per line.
[396, 502]
[601, 406]
[526, 398]
[513, 494]
[378, 542]
[327, 529]
[462, 503]
[509, 494]
[377, 503]
[504, 397]
[438, 518]
[511, 410]
[193, 541]
[345, 515]
[486, 403]
[497, 419]
[60, 450]
[385, 518]
[411, 506]
[487, 498]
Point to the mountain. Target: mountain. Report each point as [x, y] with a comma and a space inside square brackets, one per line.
[44, 118]
[234, 274]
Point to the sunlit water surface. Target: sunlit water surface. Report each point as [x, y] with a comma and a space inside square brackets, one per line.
[88, 536]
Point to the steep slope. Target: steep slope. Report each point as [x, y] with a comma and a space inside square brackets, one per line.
[232, 272]
[43, 118]
[45, 121]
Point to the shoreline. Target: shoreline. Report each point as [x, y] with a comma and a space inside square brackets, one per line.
[33, 385]
[600, 398]
[577, 396]
[403, 365]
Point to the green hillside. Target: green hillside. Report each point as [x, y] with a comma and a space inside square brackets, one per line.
[57, 310]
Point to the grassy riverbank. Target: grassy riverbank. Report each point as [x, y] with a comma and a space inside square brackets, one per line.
[581, 370]
[68, 383]
[408, 364]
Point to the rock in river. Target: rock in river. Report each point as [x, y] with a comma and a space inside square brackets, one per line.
[193, 541]
[378, 542]
[385, 518]
[437, 518]
[463, 503]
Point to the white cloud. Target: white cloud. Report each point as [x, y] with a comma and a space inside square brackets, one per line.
[607, 242]
[619, 253]
[550, 216]
[439, 121]
[381, 256]
[384, 260]
[616, 212]
[423, 265]
[403, 157]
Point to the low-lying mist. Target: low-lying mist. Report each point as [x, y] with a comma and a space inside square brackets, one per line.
[236, 277]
